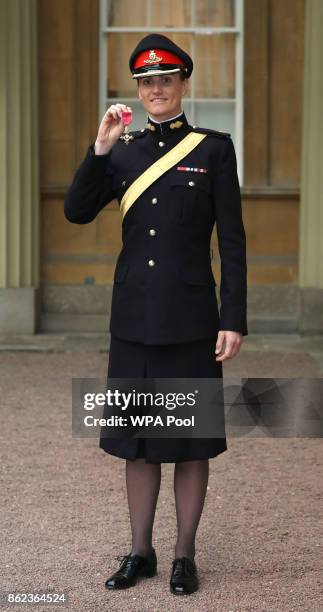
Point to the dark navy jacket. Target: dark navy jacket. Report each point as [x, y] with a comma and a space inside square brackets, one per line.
[164, 288]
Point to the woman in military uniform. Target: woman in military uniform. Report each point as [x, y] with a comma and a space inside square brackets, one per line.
[165, 320]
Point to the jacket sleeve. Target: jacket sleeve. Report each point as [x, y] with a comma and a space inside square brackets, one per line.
[91, 188]
[231, 242]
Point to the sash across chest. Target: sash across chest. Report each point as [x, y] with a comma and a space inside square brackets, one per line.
[151, 174]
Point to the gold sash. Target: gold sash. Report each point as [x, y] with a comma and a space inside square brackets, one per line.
[158, 168]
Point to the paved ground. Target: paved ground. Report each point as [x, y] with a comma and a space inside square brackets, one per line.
[64, 507]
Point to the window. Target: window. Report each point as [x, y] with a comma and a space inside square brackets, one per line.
[211, 31]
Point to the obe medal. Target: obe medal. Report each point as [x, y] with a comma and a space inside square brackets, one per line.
[126, 117]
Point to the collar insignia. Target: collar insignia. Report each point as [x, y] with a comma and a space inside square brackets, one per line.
[175, 124]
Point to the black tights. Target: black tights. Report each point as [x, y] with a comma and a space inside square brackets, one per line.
[143, 485]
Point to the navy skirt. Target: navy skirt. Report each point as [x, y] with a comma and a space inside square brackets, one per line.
[195, 359]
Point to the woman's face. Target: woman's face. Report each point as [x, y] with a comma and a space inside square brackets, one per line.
[161, 94]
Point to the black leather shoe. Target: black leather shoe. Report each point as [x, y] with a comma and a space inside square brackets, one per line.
[184, 579]
[131, 568]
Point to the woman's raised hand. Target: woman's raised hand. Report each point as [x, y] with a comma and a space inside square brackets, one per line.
[110, 129]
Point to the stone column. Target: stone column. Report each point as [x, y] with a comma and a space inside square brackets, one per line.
[19, 184]
[311, 211]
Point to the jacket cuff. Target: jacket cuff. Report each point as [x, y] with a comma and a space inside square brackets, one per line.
[92, 153]
[233, 323]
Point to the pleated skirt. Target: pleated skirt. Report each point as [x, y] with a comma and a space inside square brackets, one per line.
[195, 359]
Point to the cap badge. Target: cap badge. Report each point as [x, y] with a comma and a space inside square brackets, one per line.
[153, 58]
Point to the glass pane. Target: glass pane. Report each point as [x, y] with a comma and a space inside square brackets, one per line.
[187, 107]
[168, 13]
[214, 66]
[119, 78]
[121, 13]
[215, 13]
[216, 115]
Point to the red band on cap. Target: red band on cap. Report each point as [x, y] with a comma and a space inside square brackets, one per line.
[156, 56]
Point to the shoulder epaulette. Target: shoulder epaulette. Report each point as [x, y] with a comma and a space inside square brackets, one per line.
[209, 131]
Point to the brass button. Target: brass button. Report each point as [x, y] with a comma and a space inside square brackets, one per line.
[151, 262]
[152, 232]
[191, 183]
[161, 143]
[154, 201]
